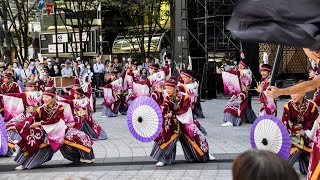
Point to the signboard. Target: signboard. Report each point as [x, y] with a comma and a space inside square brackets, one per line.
[43, 38]
[65, 43]
[52, 48]
[62, 38]
[75, 48]
[76, 37]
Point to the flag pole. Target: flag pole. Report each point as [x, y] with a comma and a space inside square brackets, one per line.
[276, 65]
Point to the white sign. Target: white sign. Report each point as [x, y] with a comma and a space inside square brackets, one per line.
[75, 48]
[52, 48]
[62, 38]
[76, 37]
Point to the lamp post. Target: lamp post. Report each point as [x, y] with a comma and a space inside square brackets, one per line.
[56, 26]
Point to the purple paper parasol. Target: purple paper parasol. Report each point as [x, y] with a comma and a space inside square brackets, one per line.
[144, 119]
[268, 133]
[3, 137]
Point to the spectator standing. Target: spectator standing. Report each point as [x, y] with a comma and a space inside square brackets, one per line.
[67, 70]
[56, 70]
[146, 64]
[107, 75]
[2, 71]
[50, 67]
[25, 73]
[117, 64]
[80, 64]
[57, 61]
[106, 63]
[86, 74]
[109, 67]
[98, 69]
[32, 66]
[41, 69]
[144, 74]
[76, 69]
[86, 63]
[16, 68]
[10, 70]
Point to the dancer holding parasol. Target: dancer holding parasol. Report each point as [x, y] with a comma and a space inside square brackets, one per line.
[177, 125]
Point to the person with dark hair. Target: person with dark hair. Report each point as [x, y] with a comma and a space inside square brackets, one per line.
[9, 86]
[117, 65]
[2, 70]
[300, 117]
[178, 125]
[108, 69]
[187, 84]
[238, 108]
[263, 165]
[67, 71]
[135, 71]
[32, 100]
[47, 82]
[74, 145]
[127, 95]
[146, 65]
[98, 69]
[153, 68]
[9, 70]
[112, 100]
[25, 73]
[32, 66]
[80, 106]
[17, 69]
[267, 107]
[76, 69]
[50, 67]
[41, 68]
[144, 74]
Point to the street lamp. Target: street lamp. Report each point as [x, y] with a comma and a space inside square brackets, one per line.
[56, 26]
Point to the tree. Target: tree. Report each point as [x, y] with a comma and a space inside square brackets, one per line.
[16, 16]
[139, 17]
[5, 33]
[81, 14]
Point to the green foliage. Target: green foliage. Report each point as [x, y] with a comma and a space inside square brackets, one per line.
[81, 14]
[16, 15]
[137, 17]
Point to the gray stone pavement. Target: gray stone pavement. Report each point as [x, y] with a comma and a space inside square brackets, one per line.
[123, 157]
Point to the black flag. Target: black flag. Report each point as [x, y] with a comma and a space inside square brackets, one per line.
[284, 22]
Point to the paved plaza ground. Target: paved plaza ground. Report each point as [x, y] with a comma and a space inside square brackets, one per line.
[123, 157]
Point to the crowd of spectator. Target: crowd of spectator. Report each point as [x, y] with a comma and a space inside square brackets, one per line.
[98, 73]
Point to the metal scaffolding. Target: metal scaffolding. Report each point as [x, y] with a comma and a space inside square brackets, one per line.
[206, 34]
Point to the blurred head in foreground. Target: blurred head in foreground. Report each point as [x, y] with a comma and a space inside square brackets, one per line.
[256, 164]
